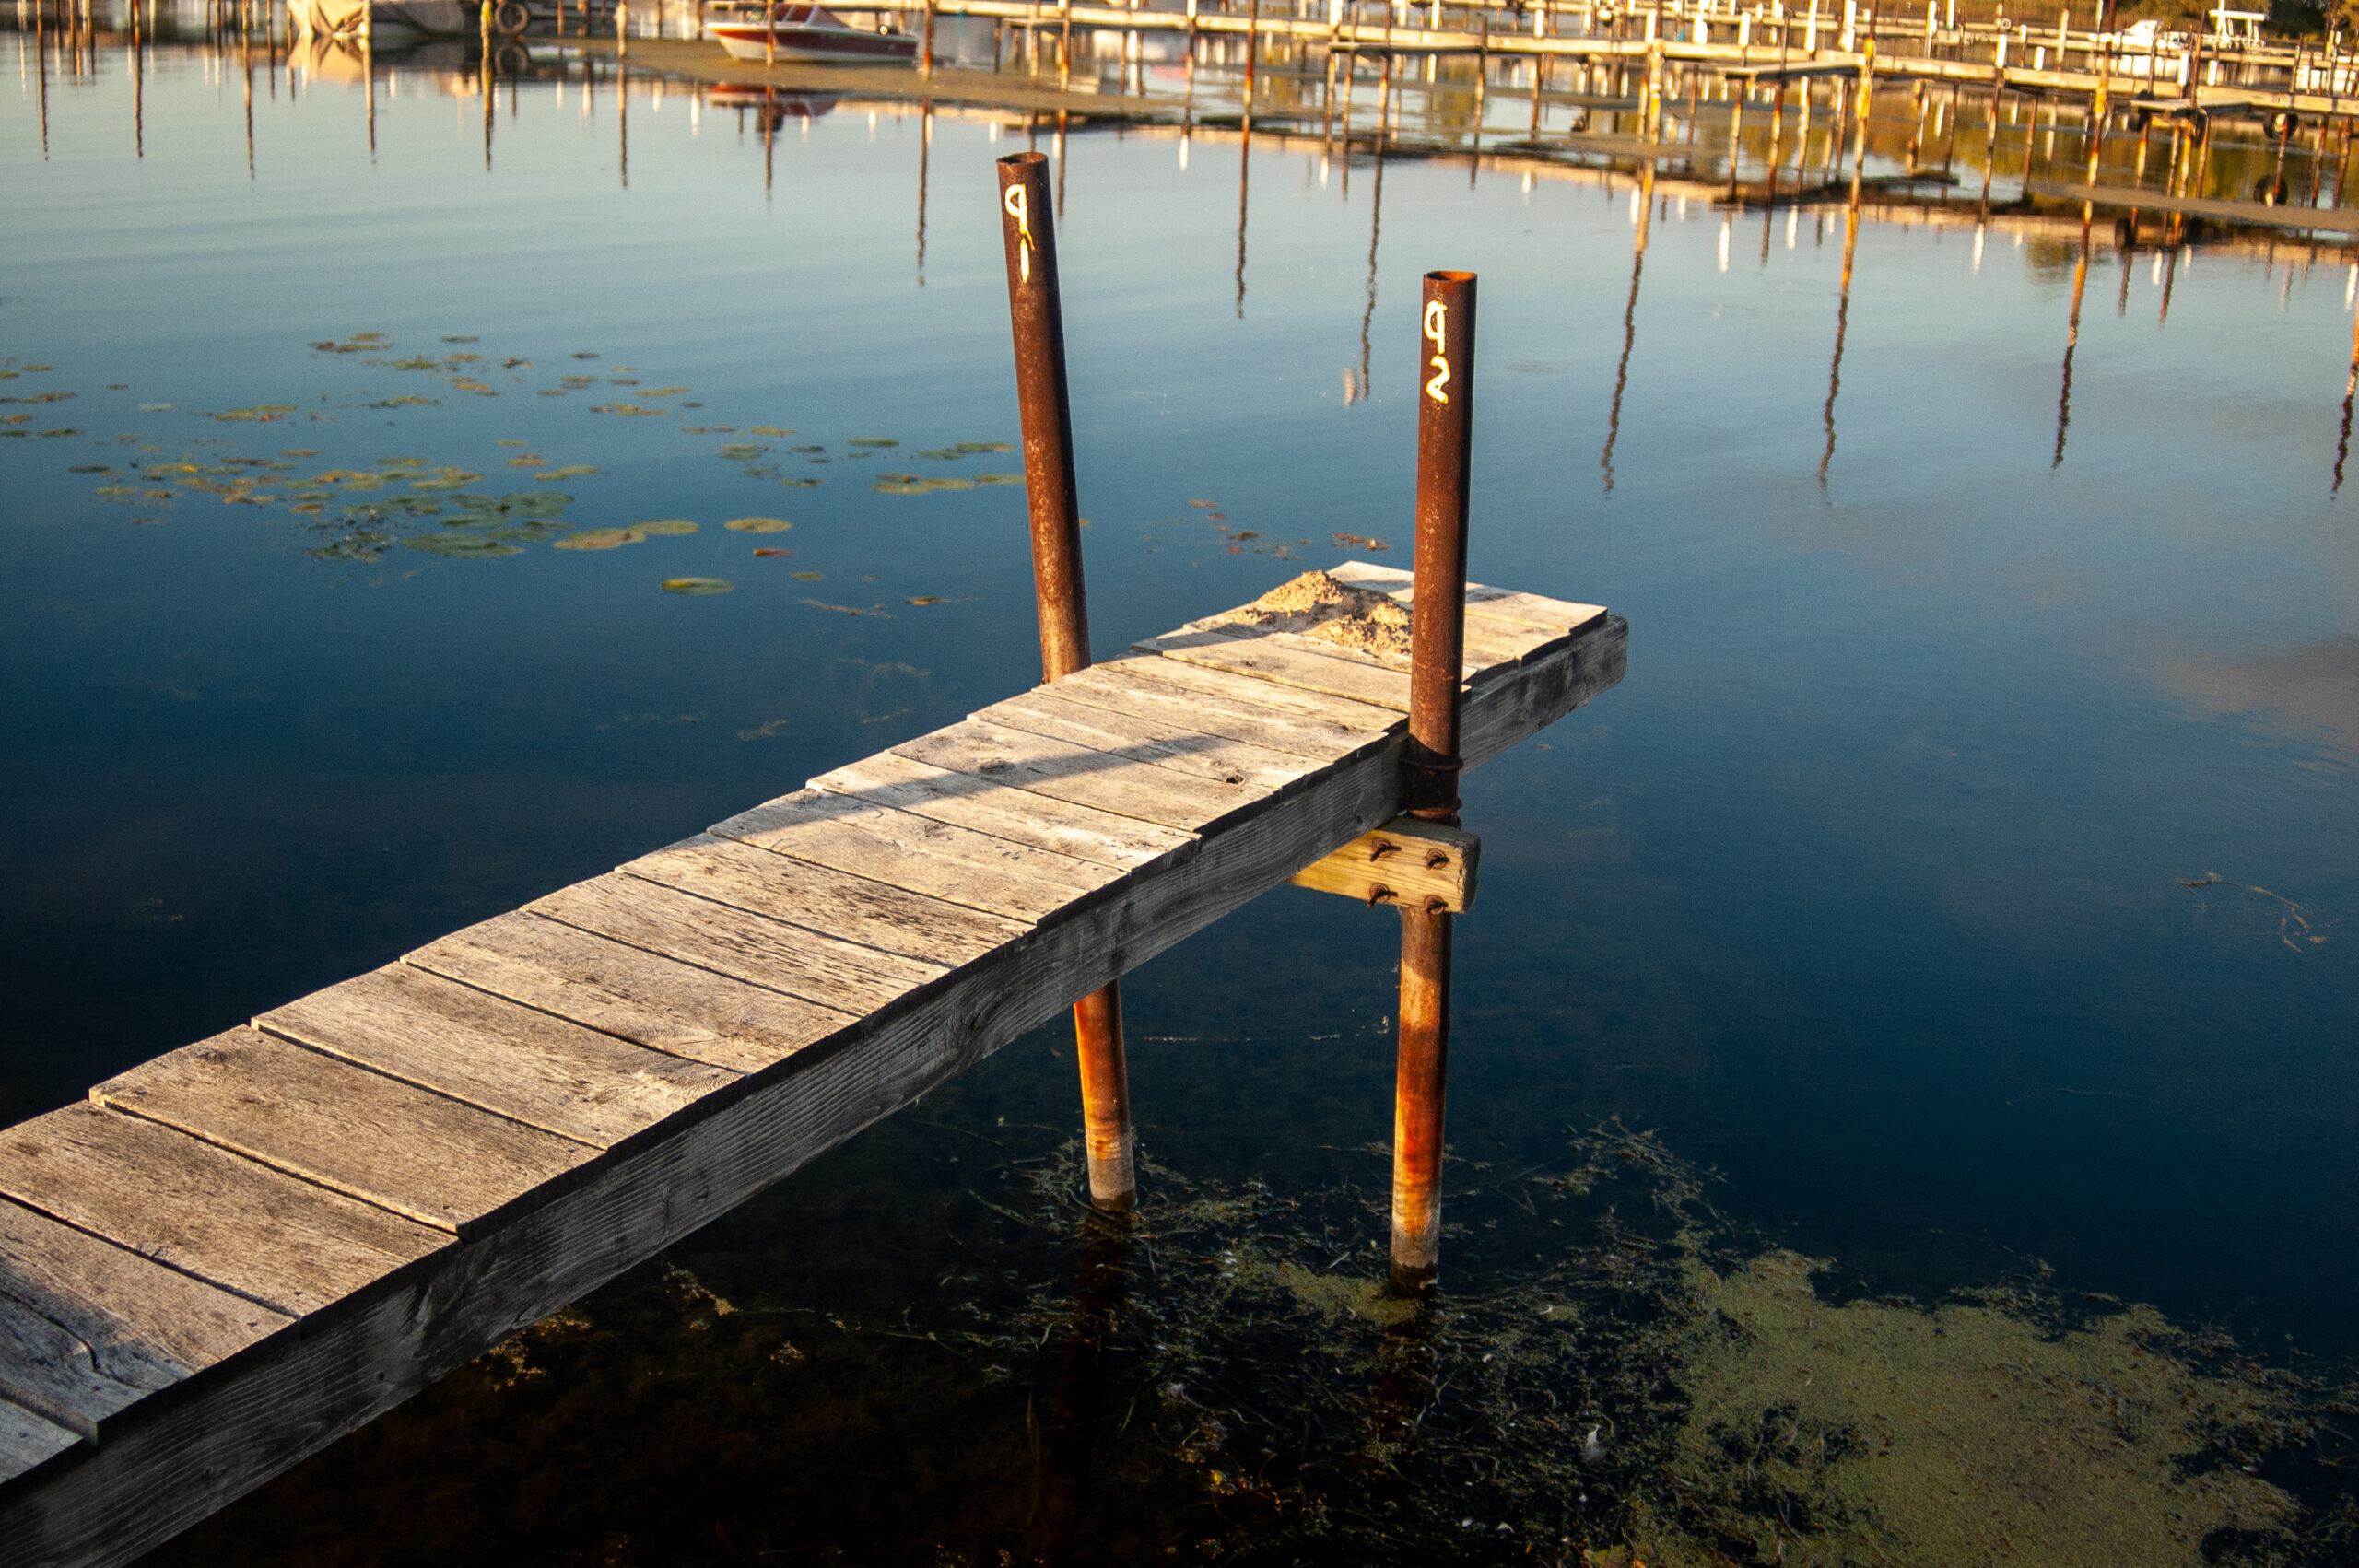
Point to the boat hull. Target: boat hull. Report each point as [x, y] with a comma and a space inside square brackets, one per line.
[790, 41]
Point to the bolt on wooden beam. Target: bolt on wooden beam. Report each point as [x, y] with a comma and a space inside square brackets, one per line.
[1407, 862]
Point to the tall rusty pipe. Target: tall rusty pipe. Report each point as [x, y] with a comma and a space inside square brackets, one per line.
[1028, 230]
[1430, 783]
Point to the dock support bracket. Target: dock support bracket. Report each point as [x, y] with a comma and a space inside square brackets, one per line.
[1407, 862]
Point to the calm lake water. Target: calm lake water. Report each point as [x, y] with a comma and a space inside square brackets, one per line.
[1966, 869]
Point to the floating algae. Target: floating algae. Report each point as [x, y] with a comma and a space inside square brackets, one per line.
[999, 479]
[698, 585]
[665, 528]
[911, 484]
[742, 452]
[757, 525]
[1316, 605]
[1657, 1391]
[872, 441]
[459, 543]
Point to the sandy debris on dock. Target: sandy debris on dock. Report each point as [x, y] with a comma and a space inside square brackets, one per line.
[1315, 604]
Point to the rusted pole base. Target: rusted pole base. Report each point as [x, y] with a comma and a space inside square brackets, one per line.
[1105, 1098]
[1417, 1098]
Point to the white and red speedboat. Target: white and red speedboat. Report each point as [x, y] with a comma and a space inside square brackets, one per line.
[804, 31]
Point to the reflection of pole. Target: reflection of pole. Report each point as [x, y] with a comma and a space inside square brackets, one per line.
[1244, 167]
[1629, 321]
[40, 60]
[246, 67]
[1482, 86]
[2073, 338]
[482, 77]
[2349, 390]
[925, 150]
[1430, 764]
[1842, 325]
[369, 73]
[769, 120]
[1375, 230]
[1038, 318]
[2170, 276]
[1081, 1388]
[622, 121]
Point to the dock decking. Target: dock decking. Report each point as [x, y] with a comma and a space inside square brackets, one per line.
[232, 1254]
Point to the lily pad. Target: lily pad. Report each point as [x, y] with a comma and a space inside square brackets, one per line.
[460, 544]
[571, 471]
[771, 550]
[809, 576]
[757, 525]
[602, 539]
[665, 528]
[980, 446]
[999, 479]
[906, 485]
[768, 431]
[872, 441]
[698, 585]
[629, 408]
[800, 484]
[740, 451]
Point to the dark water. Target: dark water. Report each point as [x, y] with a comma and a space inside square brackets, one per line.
[1964, 867]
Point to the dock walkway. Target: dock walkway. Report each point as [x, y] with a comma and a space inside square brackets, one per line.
[234, 1254]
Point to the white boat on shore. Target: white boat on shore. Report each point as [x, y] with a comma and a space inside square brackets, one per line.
[804, 31]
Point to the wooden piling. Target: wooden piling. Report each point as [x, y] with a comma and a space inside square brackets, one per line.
[1430, 764]
[1035, 313]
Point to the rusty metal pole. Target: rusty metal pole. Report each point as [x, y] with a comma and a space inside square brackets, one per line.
[1429, 774]
[1027, 228]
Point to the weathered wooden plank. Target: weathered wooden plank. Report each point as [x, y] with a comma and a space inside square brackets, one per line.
[1081, 833]
[1128, 685]
[1485, 646]
[1496, 717]
[525, 1064]
[1270, 659]
[628, 992]
[1108, 781]
[131, 1313]
[226, 1220]
[1249, 689]
[25, 1439]
[834, 974]
[1495, 604]
[1406, 863]
[220, 1437]
[1149, 737]
[874, 914]
[927, 856]
[446, 1165]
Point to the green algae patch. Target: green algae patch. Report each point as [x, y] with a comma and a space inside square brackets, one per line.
[1970, 1433]
[698, 587]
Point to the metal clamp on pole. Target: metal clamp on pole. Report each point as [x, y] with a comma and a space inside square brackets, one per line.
[1034, 309]
[1429, 778]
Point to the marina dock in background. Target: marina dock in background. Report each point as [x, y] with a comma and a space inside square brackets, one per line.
[234, 1254]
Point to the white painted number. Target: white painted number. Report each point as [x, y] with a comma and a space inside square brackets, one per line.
[1437, 333]
[1018, 210]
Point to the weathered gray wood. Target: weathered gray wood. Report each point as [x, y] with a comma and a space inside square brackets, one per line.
[487, 1051]
[1128, 685]
[1486, 645]
[1273, 658]
[625, 991]
[1255, 691]
[225, 1220]
[834, 974]
[1151, 737]
[936, 858]
[446, 1165]
[1109, 780]
[25, 1439]
[1494, 603]
[1040, 822]
[219, 1435]
[874, 914]
[130, 1312]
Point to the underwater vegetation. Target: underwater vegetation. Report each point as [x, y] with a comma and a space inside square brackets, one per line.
[1227, 1380]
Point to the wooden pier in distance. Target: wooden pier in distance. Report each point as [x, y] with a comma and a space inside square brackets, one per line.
[234, 1254]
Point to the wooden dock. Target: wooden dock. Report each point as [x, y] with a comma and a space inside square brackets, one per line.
[236, 1253]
